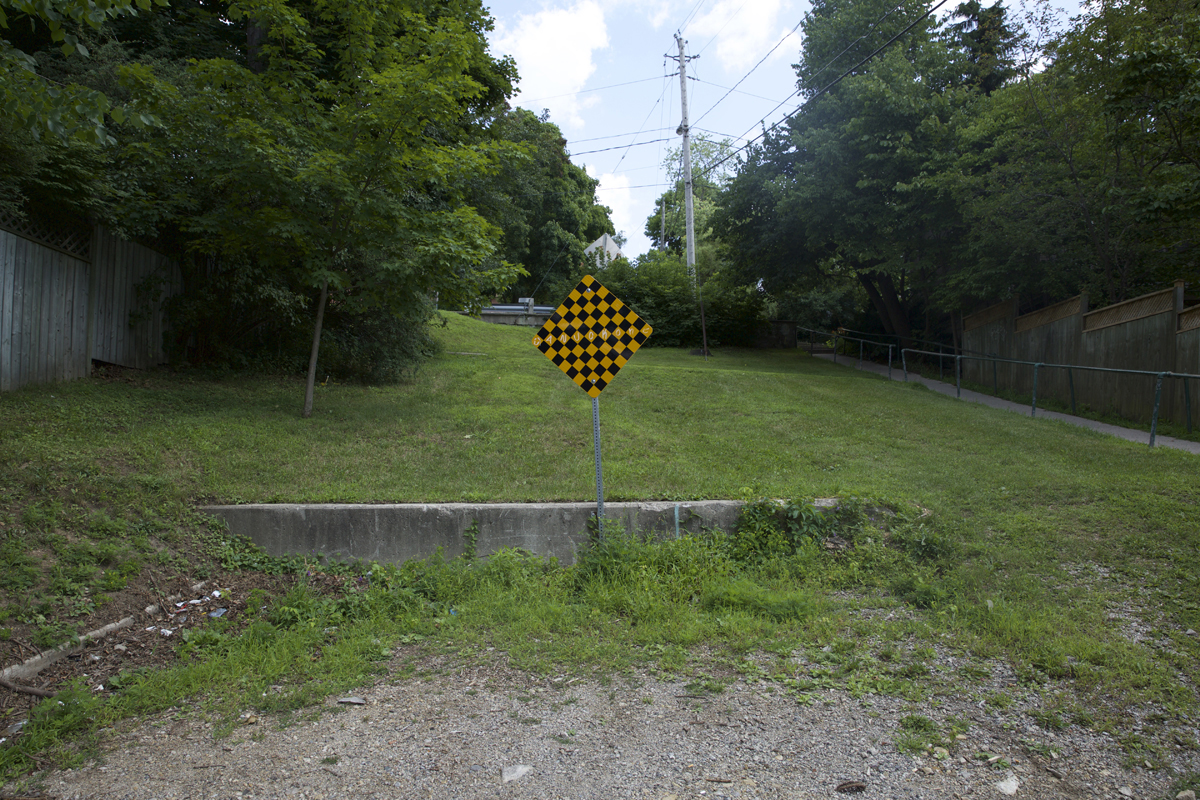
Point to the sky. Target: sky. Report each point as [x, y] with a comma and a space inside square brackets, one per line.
[602, 71]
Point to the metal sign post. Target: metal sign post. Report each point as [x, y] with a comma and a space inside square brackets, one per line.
[599, 474]
[590, 337]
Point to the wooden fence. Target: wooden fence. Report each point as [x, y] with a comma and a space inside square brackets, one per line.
[1157, 332]
[71, 294]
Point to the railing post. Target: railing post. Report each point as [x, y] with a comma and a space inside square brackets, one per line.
[1033, 408]
[1157, 398]
[890, 346]
[958, 375]
[1071, 382]
[1187, 404]
[904, 360]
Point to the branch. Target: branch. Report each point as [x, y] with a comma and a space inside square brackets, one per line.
[26, 689]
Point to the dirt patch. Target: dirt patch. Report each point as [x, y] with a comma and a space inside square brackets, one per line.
[143, 644]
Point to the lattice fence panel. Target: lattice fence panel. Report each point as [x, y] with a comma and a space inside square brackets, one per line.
[72, 238]
[1189, 320]
[988, 315]
[1146, 306]
[1044, 316]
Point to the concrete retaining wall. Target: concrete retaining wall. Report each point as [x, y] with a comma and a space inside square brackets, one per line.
[396, 533]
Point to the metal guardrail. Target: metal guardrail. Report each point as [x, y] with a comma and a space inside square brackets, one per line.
[941, 355]
[1038, 365]
[835, 335]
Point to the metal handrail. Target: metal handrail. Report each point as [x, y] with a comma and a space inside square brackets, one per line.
[1037, 365]
[861, 343]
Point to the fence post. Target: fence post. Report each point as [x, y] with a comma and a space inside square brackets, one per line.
[995, 381]
[1033, 408]
[860, 349]
[1157, 398]
[904, 360]
[958, 375]
[890, 346]
[835, 348]
[1071, 381]
[941, 365]
[1187, 404]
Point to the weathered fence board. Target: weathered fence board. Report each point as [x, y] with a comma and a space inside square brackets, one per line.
[58, 312]
[1147, 333]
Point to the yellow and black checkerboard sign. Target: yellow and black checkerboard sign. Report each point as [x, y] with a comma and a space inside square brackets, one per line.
[591, 336]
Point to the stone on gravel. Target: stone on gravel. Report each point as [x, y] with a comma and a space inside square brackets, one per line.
[352, 701]
[512, 773]
[1009, 785]
[1186, 794]
[1125, 791]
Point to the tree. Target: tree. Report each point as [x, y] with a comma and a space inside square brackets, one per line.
[545, 205]
[335, 156]
[67, 111]
[1083, 176]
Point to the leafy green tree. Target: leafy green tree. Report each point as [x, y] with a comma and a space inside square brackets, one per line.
[545, 205]
[334, 157]
[1084, 174]
[67, 111]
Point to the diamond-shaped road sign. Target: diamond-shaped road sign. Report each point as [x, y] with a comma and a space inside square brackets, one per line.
[591, 336]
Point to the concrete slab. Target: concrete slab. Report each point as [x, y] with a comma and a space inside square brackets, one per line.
[398, 532]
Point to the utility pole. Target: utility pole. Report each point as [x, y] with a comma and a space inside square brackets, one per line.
[688, 213]
[662, 234]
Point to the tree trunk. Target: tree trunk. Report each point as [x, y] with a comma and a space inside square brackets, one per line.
[256, 34]
[896, 312]
[877, 301]
[316, 346]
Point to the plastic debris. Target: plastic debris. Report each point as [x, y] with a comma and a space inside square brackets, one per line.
[512, 773]
[220, 612]
[1009, 785]
[166, 631]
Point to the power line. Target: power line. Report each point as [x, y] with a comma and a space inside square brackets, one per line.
[719, 86]
[584, 91]
[619, 135]
[732, 17]
[688, 18]
[756, 66]
[623, 146]
[826, 88]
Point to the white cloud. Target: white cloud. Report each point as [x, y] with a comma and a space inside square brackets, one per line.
[553, 50]
[744, 29]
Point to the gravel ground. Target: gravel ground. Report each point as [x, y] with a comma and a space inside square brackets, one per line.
[457, 731]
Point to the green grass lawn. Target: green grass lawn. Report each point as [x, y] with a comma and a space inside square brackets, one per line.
[1025, 540]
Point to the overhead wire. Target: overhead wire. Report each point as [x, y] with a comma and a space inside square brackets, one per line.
[683, 25]
[732, 17]
[719, 86]
[585, 91]
[829, 86]
[756, 66]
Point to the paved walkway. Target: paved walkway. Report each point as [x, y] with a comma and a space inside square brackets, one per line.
[1021, 408]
